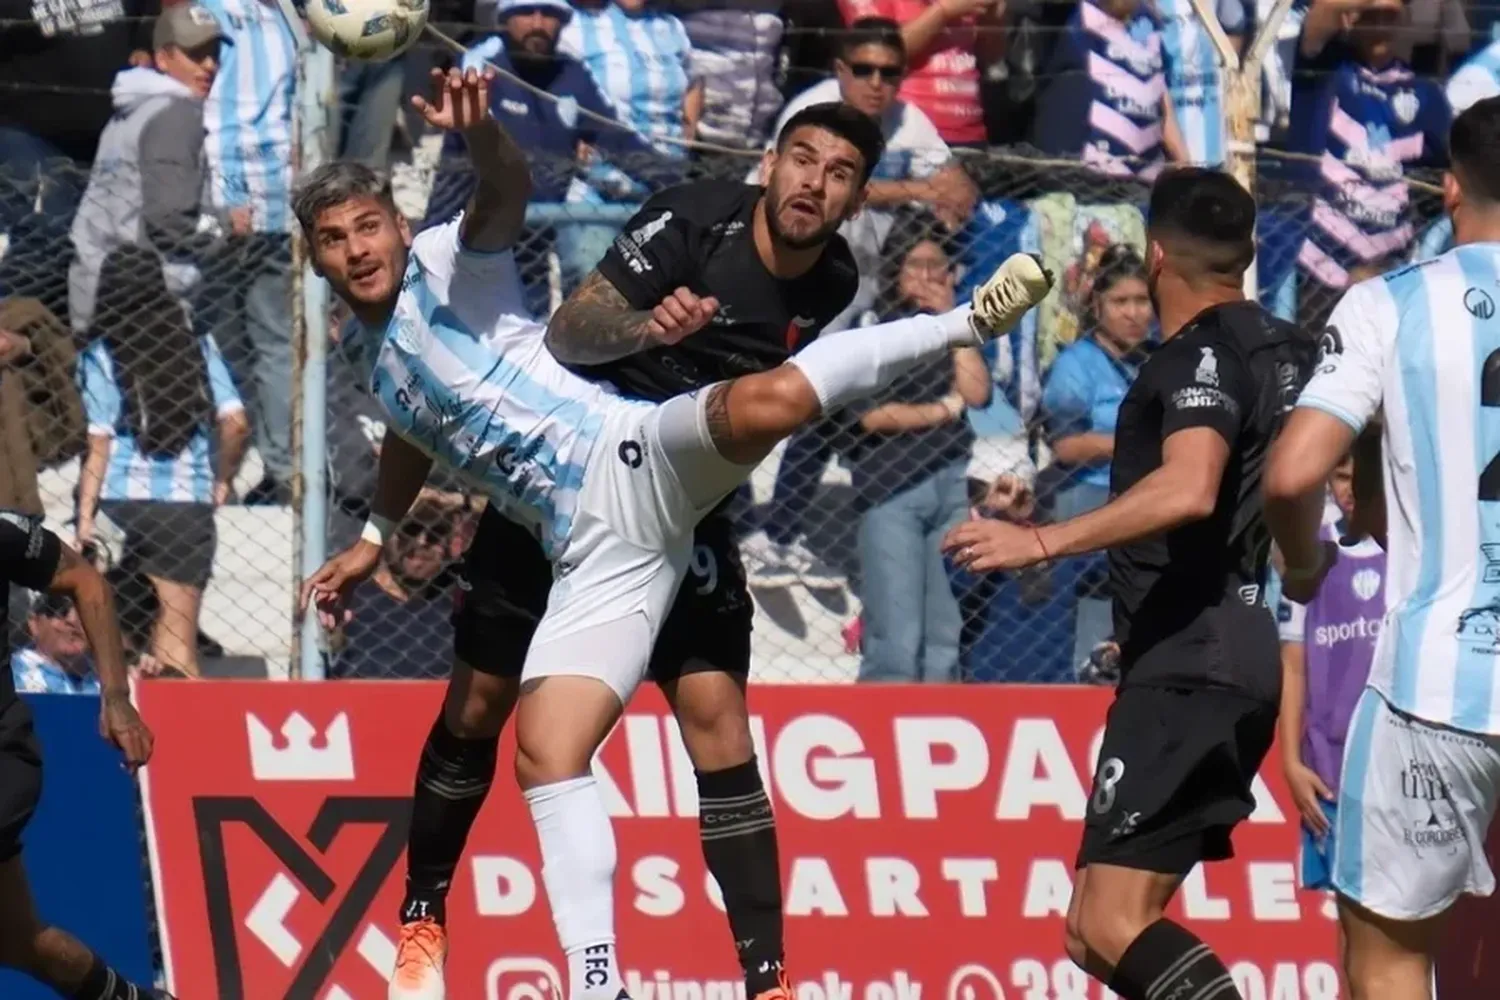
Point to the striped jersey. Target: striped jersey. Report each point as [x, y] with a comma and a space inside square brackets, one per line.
[1424, 342]
[462, 373]
[248, 114]
[187, 477]
[1367, 128]
[1476, 79]
[36, 674]
[640, 63]
[1104, 99]
[1194, 84]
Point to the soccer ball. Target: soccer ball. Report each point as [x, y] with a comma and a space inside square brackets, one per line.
[369, 30]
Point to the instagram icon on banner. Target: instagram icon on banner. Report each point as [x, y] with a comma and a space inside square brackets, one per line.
[974, 982]
[522, 978]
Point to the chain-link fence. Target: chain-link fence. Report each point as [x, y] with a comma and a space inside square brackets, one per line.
[153, 417]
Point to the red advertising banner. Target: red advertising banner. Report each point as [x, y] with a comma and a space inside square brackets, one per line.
[927, 839]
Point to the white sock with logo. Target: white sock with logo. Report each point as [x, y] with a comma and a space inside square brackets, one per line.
[578, 871]
[851, 364]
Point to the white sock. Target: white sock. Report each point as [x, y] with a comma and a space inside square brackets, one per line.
[578, 870]
[852, 364]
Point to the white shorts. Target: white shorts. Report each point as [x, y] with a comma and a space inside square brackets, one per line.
[1414, 807]
[653, 475]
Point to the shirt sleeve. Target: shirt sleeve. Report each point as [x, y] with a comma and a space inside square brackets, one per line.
[101, 397]
[1469, 86]
[1066, 406]
[929, 153]
[29, 552]
[441, 250]
[1291, 621]
[653, 255]
[220, 383]
[26, 677]
[1201, 385]
[1349, 379]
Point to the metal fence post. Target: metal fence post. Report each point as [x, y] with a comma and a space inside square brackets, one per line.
[317, 137]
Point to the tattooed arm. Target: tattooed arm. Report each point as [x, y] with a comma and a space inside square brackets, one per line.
[597, 323]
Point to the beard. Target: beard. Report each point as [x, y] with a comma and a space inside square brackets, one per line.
[535, 46]
[816, 238]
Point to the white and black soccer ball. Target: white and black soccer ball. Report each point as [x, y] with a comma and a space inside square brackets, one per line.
[368, 30]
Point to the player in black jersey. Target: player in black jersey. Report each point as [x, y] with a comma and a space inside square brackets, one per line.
[33, 557]
[752, 274]
[1200, 672]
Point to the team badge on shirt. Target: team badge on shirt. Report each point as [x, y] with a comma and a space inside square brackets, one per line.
[1406, 106]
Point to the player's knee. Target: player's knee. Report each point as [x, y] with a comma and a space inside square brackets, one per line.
[1107, 929]
[711, 713]
[776, 402]
[1073, 941]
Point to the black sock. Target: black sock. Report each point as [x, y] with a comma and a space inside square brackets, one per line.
[739, 844]
[1167, 961]
[103, 983]
[453, 778]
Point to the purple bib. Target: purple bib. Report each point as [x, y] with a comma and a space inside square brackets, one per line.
[1343, 622]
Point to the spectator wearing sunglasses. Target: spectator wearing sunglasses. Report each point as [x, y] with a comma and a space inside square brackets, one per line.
[57, 660]
[940, 38]
[400, 626]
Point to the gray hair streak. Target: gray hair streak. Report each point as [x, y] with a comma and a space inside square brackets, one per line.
[334, 183]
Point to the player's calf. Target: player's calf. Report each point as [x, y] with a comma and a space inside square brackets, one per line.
[1388, 959]
[735, 820]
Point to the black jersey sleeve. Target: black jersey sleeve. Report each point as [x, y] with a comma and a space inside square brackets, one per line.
[657, 252]
[29, 552]
[1202, 385]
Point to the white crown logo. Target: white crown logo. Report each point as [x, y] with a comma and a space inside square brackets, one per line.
[299, 760]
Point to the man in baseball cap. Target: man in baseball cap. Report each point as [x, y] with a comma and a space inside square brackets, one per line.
[157, 130]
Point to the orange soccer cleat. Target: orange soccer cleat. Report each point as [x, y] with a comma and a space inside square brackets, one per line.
[420, 955]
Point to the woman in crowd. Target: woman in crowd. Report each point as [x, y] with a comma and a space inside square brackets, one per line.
[1079, 403]
[167, 431]
[908, 464]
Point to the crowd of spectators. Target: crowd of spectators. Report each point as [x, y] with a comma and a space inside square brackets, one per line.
[146, 292]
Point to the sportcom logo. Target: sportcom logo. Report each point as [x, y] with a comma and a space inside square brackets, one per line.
[522, 978]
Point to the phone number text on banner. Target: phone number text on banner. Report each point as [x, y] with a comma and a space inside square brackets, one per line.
[927, 843]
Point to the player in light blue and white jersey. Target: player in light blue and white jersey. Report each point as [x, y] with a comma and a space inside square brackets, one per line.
[1421, 770]
[612, 487]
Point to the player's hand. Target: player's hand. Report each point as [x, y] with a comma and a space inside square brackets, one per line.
[1300, 588]
[983, 546]
[1308, 795]
[680, 315]
[327, 588]
[460, 100]
[13, 347]
[121, 725]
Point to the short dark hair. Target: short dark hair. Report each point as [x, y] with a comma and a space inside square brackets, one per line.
[334, 183]
[845, 121]
[1474, 149]
[1205, 219]
[872, 31]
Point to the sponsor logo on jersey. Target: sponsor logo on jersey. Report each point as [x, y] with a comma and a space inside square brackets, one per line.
[1479, 304]
[1208, 367]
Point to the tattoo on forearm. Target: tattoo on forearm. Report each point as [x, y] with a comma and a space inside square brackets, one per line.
[596, 324]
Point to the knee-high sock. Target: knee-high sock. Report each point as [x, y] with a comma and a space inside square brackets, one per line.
[852, 364]
[739, 845]
[453, 778]
[578, 870]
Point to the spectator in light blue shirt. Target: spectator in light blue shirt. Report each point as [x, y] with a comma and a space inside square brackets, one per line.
[57, 661]
[1080, 402]
[249, 124]
[153, 391]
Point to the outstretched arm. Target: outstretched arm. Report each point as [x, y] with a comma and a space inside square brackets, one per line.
[497, 209]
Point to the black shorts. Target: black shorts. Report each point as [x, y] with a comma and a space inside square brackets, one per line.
[506, 579]
[1174, 777]
[20, 774]
[172, 541]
